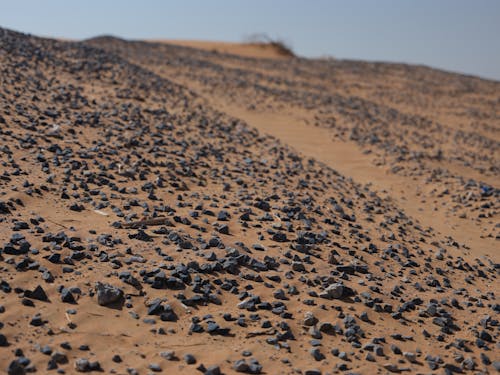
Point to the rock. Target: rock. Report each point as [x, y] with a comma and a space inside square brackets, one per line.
[312, 372]
[213, 370]
[280, 294]
[411, 357]
[279, 237]
[485, 360]
[223, 229]
[391, 368]
[37, 320]
[309, 319]
[378, 350]
[82, 365]
[16, 368]
[241, 366]
[108, 294]
[483, 335]
[47, 350]
[223, 216]
[3, 340]
[369, 357]
[169, 355]
[59, 358]
[326, 327]
[315, 334]
[252, 367]
[4, 209]
[332, 258]
[244, 217]
[298, 267]
[67, 296]
[469, 364]
[38, 293]
[333, 291]
[496, 365]
[364, 316]
[190, 359]
[395, 349]
[155, 367]
[316, 354]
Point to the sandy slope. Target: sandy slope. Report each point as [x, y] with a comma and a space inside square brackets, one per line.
[255, 50]
[399, 90]
[291, 212]
[345, 157]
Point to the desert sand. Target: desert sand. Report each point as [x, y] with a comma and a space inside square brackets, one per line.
[202, 207]
[253, 50]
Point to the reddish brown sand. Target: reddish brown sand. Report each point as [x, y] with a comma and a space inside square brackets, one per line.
[380, 177]
[253, 50]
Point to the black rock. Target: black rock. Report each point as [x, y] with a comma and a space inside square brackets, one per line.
[279, 237]
[3, 340]
[223, 229]
[190, 359]
[212, 370]
[16, 368]
[316, 354]
[67, 296]
[108, 294]
[155, 367]
[141, 236]
[38, 293]
[82, 365]
[37, 321]
[223, 216]
[59, 358]
[76, 207]
[4, 209]
[252, 367]
[155, 308]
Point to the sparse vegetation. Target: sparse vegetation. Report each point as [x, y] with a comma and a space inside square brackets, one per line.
[282, 47]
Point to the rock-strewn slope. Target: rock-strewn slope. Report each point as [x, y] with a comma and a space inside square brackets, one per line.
[417, 123]
[144, 231]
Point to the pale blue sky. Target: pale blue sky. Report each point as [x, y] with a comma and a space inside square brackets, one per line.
[456, 35]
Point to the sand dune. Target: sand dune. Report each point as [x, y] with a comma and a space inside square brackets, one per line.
[256, 50]
[166, 209]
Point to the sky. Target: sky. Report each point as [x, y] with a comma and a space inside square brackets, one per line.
[455, 35]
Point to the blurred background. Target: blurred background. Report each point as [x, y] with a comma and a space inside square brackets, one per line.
[455, 35]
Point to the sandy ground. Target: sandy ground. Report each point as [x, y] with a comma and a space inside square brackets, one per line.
[254, 50]
[412, 193]
[347, 159]
[305, 216]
